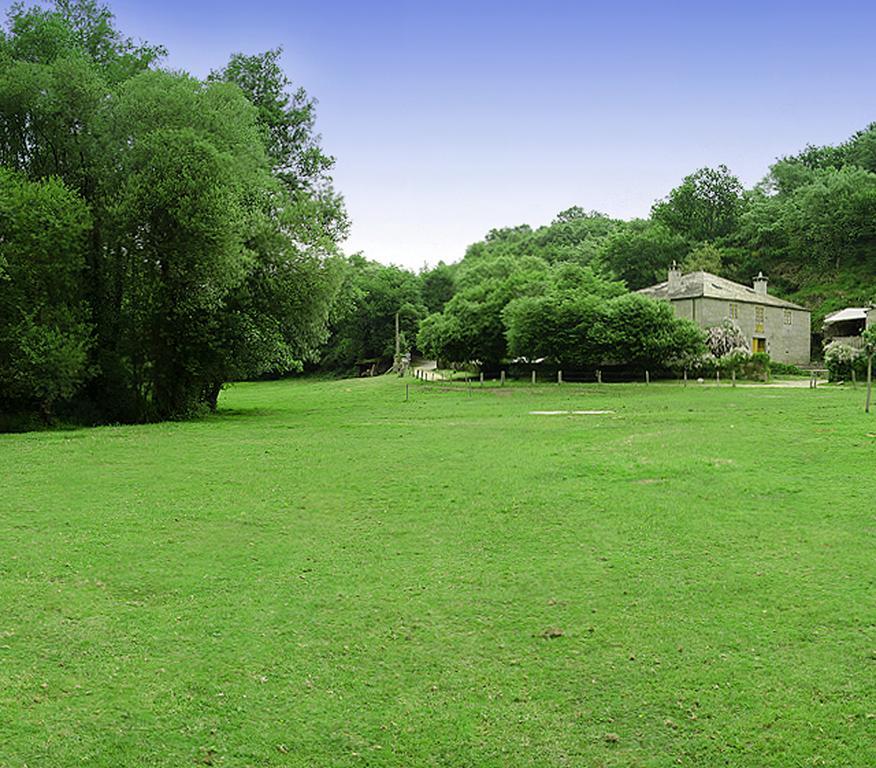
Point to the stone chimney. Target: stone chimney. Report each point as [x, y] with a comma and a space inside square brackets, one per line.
[760, 284]
[674, 278]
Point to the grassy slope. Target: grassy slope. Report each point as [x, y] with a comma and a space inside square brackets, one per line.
[326, 575]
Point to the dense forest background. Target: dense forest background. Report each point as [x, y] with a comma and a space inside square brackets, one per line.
[810, 225]
[161, 235]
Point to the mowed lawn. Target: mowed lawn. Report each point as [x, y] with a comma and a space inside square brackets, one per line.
[326, 575]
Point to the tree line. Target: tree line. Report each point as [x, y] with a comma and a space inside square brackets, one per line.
[161, 234]
[551, 291]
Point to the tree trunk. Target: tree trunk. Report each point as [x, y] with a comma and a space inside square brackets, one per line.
[212, 395]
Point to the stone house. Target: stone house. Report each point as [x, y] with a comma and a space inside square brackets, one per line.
[772, 325]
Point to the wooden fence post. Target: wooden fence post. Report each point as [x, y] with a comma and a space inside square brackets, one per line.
[599, 375]
[533, 378]
[482, 378]
[559, 377]
[647, 376]
[869, 382]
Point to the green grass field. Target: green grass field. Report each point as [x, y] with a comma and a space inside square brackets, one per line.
[325, 575]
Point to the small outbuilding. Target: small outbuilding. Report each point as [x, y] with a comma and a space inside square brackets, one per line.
[848, 324]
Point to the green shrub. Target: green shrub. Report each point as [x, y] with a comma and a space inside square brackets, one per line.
[841, 359]
[785, 369]
[757, 367]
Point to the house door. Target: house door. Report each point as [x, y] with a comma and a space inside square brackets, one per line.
[758, 345]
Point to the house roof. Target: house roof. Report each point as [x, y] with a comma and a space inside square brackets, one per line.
[844, 315]
[695, 285]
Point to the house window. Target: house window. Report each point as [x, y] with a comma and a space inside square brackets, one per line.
[734, 311]
[787, 317]
[758, 319]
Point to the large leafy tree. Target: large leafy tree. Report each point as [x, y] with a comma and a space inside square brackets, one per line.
[574, 235]
[363, 324]
[213, 221]
[437, 286]
[509, 264]
[180, 217]
[597, 322]
[471, 326]
[646, 333]
[833, 219]
[286, 117]
[569, 329]
[706, 206]
[640, 252]
[706, 258]
[44, 332]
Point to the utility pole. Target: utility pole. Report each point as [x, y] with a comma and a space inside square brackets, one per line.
[397, 361]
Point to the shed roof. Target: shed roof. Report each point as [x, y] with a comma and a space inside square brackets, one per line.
[844, 315]
[696, 285]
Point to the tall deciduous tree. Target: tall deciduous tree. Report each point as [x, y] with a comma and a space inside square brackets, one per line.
[706, 206]
[471, 326]
[645, 332]
[641, 252]
[437, 286]
[363, 322]
[581, 329]
[214, 224]
[44, 333]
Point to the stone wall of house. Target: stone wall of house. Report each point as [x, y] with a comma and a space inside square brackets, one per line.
[785, 342]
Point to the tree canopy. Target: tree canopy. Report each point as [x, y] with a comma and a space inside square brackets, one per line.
[204, 219]
[363, 322]
[162, 234]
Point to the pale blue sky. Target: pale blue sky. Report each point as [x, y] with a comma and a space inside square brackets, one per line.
[450, 118]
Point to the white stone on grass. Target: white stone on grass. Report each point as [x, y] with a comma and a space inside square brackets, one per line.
[569, 413]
